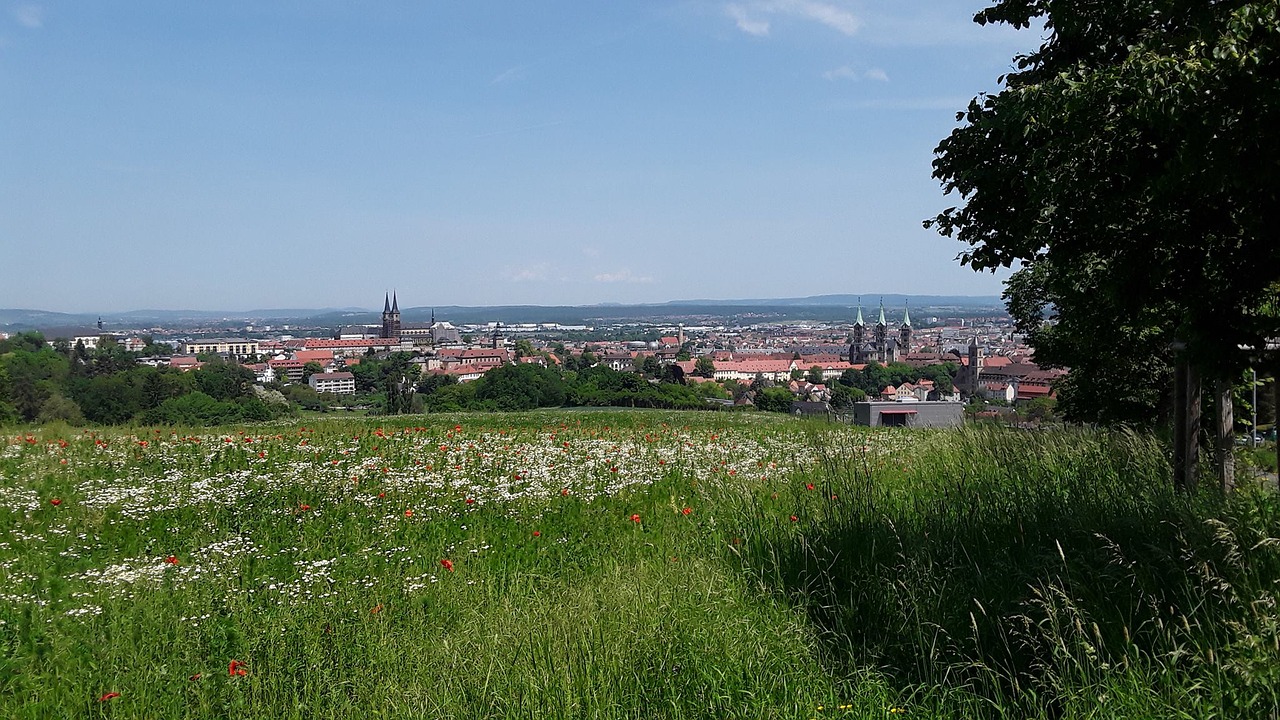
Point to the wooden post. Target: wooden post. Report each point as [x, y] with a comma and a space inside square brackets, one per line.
[1226, 436]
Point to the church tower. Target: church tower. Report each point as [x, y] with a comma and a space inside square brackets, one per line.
[858, 343]
[975, 367]
[390, 317]
[881, 337]
[904, 332]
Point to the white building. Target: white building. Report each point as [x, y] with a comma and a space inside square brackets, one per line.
[338, 383]
[237, 347]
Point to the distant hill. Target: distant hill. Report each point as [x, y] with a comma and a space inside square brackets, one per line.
[890, 300]
[823, 308]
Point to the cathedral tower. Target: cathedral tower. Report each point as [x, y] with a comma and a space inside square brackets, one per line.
[881, 336]
[858, 343]
[904, 332]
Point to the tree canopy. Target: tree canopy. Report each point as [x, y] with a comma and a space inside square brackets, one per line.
[1129, 171]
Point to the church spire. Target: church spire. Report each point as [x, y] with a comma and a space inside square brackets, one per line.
[395, 304]
[859, 320]
[386, 303]
[882, 322]
[906, 315]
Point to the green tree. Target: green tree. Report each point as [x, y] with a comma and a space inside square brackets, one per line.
[523, 386]
[650, 366]
[843, 397]
[309, 368]
[224, 381]
[774, 399]
[1128, 167]
[57, 408]
[704, 366]
[815, 375]
[33, 376]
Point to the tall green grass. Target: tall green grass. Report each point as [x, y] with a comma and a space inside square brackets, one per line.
[1050, 574]
[627, 565]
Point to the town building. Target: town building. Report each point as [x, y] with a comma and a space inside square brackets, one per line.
[338, 383]
[236, 347]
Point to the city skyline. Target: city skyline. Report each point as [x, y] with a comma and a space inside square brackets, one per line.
[240, 156]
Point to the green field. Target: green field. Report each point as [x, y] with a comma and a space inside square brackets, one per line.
[625, 565]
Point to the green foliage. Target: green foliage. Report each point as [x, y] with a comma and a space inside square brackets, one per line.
[1128, 167]
[57, 408]
[704, 366]
[224, 381]
[774, 399]
[522, 386]
[874, 378]
[843, 397]
[309, 368]
[194, 409]
[815, 375]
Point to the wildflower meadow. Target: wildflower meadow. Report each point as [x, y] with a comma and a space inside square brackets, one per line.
[625, 565]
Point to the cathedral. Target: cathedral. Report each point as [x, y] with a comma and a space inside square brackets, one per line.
[879, 347]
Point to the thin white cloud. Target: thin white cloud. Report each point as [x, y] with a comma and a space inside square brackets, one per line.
[752, 17]
[511, 74]
[31, 16]
[848, 72]
[829, 14]
[844, 72]
[622, 276]
[746, 23]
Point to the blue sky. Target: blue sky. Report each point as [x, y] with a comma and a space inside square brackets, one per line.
[239, 155]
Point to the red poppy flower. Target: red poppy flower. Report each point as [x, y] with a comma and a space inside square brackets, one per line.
[471, 501]
[537, 533]
[172, 560]
[809, 486]
[635, 518]
[794, 518]
[408, 513]
[564, 491]
[447, 564]
[304, 507]
[55, 502]
[195, 677]
[236, 668]
[686, 511]
[109, 696]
